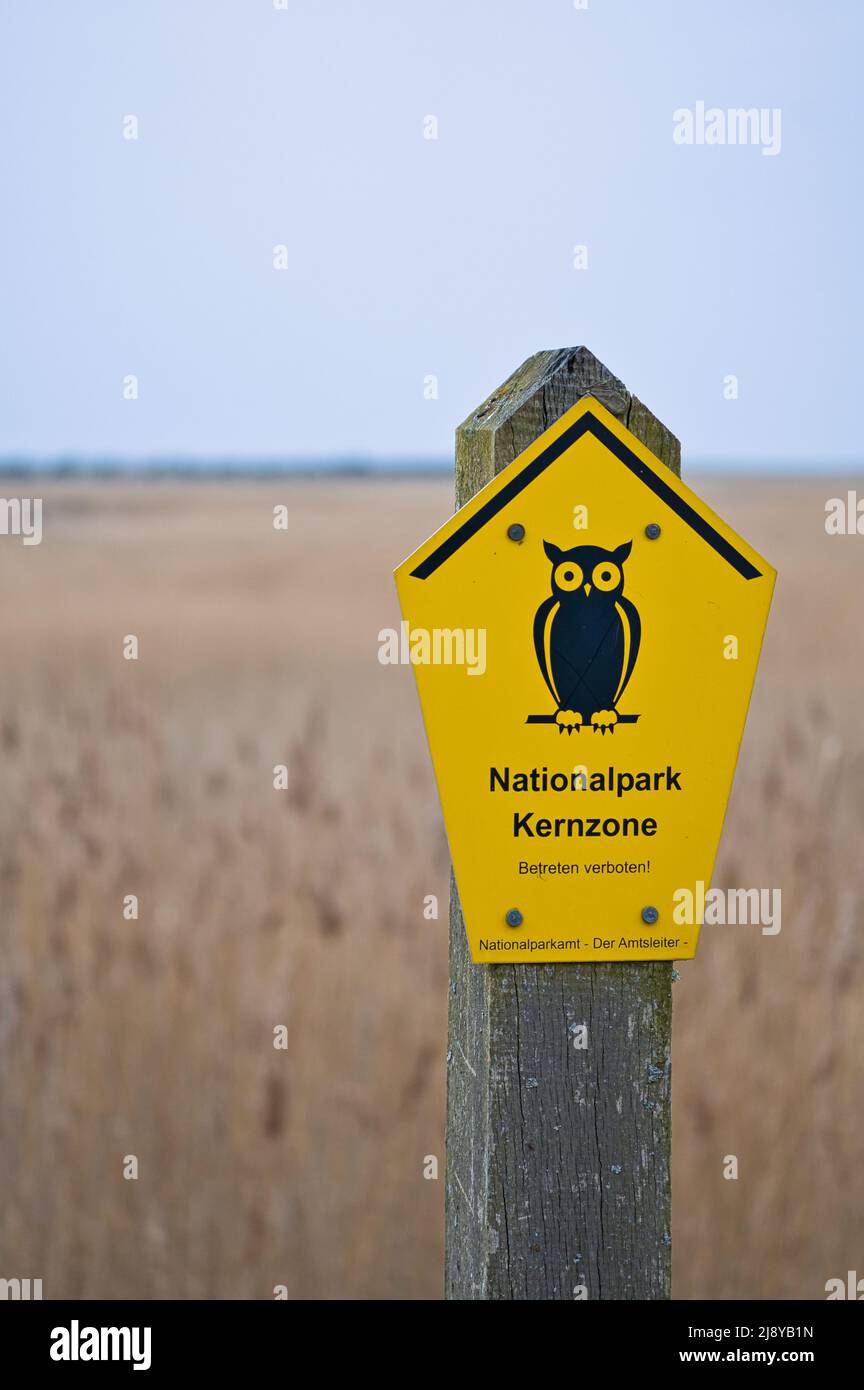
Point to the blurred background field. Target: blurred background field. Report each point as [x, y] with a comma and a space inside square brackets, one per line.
[304, 908]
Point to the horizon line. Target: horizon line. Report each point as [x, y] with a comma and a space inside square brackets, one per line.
[17, 465]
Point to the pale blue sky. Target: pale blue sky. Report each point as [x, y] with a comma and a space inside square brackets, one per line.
[407, 256]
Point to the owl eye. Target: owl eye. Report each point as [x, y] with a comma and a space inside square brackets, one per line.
[568, 575]
[606, 576]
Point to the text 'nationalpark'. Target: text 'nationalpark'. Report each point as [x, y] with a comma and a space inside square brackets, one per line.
[541, 780]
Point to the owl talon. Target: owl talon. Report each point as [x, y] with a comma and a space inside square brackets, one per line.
[568, 719]
[604, 719]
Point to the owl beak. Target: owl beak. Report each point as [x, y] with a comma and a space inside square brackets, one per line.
[586, 589]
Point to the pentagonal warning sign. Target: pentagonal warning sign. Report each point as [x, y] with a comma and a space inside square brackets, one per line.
[584, 634]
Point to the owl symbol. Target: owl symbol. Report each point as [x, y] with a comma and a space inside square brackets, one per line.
[586, 635]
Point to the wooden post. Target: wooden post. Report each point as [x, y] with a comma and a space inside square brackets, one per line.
[558, 1183]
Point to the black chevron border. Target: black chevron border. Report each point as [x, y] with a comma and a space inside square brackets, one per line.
[585, 423]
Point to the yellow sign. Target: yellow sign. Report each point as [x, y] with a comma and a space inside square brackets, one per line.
[584, 634]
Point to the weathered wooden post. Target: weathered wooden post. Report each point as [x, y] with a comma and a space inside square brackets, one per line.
[599, 597]
[557, 1157]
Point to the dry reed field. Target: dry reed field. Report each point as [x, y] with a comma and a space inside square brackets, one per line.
[259, 908]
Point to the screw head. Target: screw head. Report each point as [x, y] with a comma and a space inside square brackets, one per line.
[650, 915]
[513, 918]
[516, 532]
[652, 531]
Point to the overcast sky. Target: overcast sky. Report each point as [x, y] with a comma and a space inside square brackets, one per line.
[410, 257]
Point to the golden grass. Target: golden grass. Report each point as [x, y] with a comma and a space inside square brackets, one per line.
[303, 1167]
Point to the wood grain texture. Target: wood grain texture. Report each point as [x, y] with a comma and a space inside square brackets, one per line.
[558, 1159]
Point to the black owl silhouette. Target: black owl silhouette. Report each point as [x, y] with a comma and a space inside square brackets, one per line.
[587, 635]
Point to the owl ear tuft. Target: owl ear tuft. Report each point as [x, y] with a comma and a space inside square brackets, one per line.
[622, 552]
[552, 552]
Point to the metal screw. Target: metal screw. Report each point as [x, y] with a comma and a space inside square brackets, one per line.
[516, 532]
[652, 531]
[650, 915]
[513, 917]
